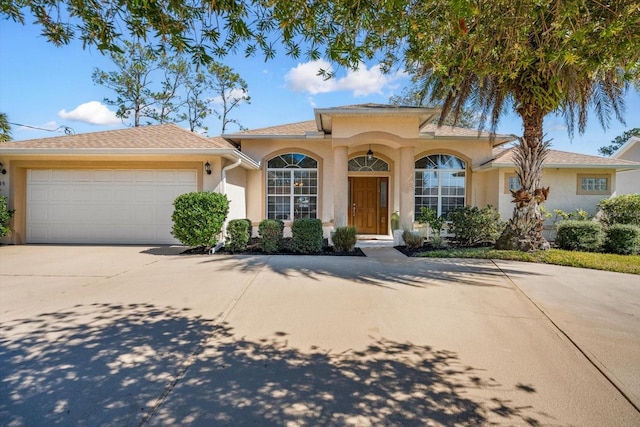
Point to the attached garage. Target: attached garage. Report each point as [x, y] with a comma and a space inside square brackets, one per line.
[104, 205]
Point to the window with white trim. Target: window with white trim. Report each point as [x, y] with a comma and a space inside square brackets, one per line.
[292, 187]
[440, 183]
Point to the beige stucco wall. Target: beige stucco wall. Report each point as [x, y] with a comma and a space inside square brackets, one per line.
[383, 144]
[563, 193]
[628, 182]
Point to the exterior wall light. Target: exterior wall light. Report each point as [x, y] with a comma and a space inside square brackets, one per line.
[207, 168]
[369, 155]
[3, 171]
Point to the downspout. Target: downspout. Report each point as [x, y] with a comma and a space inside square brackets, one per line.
[223, 188]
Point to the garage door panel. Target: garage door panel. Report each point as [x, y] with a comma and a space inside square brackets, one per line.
[104, 206]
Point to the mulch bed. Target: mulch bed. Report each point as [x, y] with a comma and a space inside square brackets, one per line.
[253, 248]
[428, 247]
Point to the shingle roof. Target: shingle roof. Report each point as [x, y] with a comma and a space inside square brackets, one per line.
[302, 128]
[504, 156]
[166, 136]
[299, 128]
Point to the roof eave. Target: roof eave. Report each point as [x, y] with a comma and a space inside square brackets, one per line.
[229, 153]
[621, 168]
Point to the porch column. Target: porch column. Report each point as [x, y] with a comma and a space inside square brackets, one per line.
[340, 186]
[407, 190]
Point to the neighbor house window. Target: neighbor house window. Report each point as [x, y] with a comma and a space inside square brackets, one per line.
[292, 187]
[594, 184]
[440, 183]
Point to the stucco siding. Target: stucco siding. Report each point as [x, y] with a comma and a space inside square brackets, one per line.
[563, 193]
[628, 182]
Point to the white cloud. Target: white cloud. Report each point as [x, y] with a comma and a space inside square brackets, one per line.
[363, 81]
[232, 94]
[93, 112]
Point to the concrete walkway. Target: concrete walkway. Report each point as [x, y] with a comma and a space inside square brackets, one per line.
[143, 336]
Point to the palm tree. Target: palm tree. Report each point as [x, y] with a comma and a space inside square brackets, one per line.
[5, 128]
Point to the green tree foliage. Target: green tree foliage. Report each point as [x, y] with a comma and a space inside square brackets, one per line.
[216, 89]
[618, 142]
[131, 82]
[5, 128]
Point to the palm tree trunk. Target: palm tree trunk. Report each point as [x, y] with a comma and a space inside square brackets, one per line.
[524, 230]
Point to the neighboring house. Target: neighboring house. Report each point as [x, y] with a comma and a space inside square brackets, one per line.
[352, 165]
[628, 182]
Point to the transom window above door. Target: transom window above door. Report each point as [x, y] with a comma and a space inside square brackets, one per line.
[361, 163]
[440, 183]
[292, 187]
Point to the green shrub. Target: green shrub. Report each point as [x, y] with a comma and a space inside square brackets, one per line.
[412, 239]
[344, 239]
[430, 216]
[198, 218]
[471, 225]
[575, 235]
[623, 239]
[621, 210]
[5, 216]
[249, 228]
[306, 235]
[271, 233]
[237, 235]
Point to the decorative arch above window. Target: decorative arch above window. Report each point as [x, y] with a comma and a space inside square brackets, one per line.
[292, 160]
[358, 164]
[292, 187]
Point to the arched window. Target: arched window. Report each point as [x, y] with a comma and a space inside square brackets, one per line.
[440, 183]
[292, 187]
[361, 163]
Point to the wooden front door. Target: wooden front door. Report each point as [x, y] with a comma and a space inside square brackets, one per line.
[368, 204]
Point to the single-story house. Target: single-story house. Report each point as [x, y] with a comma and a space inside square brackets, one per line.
[628, 182]
[353, 165]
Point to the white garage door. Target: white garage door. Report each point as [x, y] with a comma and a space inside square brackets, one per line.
[104, 206]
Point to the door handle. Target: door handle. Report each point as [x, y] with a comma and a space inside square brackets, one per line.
[353, 210]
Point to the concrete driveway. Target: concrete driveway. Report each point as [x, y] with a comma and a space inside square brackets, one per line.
[144, 336]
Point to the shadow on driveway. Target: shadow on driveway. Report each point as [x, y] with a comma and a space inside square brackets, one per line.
[106, 364]
[417, 272]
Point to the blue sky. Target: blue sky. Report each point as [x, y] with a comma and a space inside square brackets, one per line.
[45, 86]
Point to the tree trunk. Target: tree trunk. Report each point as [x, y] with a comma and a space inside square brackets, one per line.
[524, 230]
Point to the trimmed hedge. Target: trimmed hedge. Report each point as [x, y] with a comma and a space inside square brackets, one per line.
[271, 233]
[237, 235]
[5, 216]
[306, 236]
[344, 239]
[471, 225]
[198, 218]
[577, 235]
[623, 209]
[623, 239]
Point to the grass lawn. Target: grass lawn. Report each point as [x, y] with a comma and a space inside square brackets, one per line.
[597, 261]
